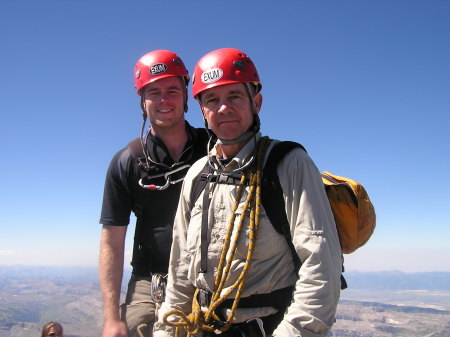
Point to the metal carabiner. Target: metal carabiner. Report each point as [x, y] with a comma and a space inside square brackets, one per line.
[158, 287]
[153, 187]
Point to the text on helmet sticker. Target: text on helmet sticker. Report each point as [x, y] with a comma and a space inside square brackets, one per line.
[158, 68]
[212, 75]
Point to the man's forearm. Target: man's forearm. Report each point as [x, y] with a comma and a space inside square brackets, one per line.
[111, 270]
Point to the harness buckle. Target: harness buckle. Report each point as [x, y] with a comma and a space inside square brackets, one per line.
[204, 298]
[206, 177]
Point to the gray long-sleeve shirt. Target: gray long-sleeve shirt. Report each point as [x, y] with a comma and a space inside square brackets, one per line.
[314, 235]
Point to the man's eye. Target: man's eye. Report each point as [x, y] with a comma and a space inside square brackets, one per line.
[211, 101]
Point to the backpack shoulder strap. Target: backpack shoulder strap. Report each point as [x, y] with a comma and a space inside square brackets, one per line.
[272, 194]
[199, 184]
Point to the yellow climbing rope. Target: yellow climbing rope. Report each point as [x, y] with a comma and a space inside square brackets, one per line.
[200, 319]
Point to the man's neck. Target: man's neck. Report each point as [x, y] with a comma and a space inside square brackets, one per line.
[174, 138]
[229, 151]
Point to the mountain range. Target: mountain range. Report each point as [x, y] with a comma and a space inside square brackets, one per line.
[380, 304]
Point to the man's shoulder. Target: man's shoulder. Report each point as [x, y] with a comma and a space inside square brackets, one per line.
[122, 160]
[200, 135]
[195, 169]
[283, 158]
[280, 150]
[125, 153]
[199, 138]
[134, 148]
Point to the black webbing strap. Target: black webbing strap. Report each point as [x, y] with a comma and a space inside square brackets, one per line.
[278, 299]
[272, 195]
[204, 231]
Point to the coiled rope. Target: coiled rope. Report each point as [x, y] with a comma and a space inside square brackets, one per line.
[201, 319]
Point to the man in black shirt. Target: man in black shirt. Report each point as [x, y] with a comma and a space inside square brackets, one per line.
[145, 177]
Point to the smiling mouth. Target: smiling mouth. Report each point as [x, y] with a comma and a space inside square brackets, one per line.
[164, 110]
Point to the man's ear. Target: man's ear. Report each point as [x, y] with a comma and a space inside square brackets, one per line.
[257, 102]
[203, 112]
[204, 117]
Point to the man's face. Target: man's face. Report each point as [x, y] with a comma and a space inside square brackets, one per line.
[164, 102]
[228, 109]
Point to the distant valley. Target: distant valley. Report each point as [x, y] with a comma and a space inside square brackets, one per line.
[376, 304]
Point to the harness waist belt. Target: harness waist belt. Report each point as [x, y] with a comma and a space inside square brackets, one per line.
[279, 299]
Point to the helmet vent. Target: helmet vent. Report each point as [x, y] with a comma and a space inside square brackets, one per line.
[239, 65]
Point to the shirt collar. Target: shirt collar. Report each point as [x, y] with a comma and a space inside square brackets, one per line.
[241, 158]
[159, 152]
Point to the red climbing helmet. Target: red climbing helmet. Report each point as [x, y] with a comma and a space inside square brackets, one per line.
[156, 65]
[224, 66]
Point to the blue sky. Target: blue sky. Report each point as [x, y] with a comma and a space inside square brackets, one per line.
[363, 85]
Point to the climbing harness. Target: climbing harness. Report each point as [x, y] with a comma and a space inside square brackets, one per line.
[205, 318]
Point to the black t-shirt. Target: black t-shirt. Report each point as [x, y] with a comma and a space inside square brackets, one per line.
[155, 210]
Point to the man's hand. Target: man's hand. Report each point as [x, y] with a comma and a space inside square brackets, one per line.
[115, 329]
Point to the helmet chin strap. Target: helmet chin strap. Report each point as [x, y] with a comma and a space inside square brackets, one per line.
[244, 137]
[185, 94]
[143, 141]
[251, 132]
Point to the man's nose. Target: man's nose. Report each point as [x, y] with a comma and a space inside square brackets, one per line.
[224, 107]
[164, 96]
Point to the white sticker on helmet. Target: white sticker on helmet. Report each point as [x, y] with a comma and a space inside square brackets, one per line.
[158, 69]
[212, 75]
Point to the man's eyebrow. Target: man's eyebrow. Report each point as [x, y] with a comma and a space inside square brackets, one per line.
[211, 94]
[156, 89]
[234, 92]
[231, 92]
[152, 89]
